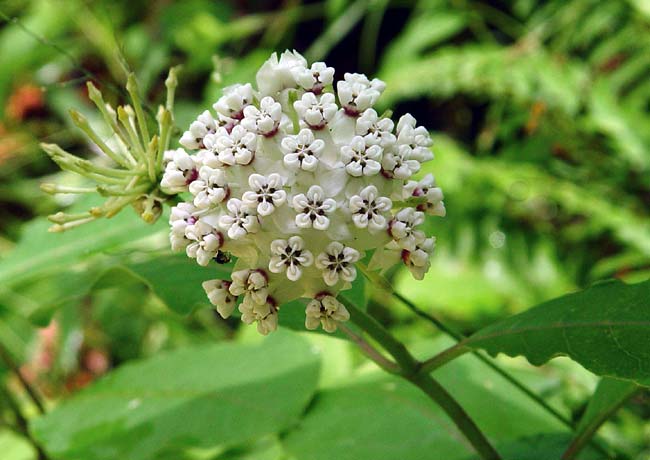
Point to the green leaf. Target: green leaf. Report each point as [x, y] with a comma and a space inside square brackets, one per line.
[604, 328]
[380, 417]
[39, 252]
[197, 397]
[174, 278]
[552, 445]
[14, 447]
[607, 399]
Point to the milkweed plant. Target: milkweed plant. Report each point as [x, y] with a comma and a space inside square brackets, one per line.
[301, 182]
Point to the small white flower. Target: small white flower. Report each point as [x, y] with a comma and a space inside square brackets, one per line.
[180, 171]
[313, 208]
[205, 242]
[220, 296]
[265, 315]
[193, 138]
[368, 209]
[337, 262]
[238, 147]
[316, 111]
[210, 188]
[239, 221]
[314, 79]
[357, 93]
[375, 130]
[290, 256]
[180, 217]
[265, 120]
[302, 150]
[325, 311]
[360, 160]
[276, 74]
[398, 163]
[416, 138]
[235, 98]
[254, 284]
[402, 228]
[427, 188]
[418, 261]
[266, 193]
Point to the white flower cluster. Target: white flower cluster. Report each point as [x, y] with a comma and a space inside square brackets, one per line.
[300, 182]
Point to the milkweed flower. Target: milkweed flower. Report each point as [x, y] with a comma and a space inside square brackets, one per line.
[301, 182]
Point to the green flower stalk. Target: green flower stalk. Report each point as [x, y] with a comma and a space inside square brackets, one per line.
[137, 156]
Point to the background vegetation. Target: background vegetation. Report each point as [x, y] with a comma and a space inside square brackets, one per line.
[541, 118]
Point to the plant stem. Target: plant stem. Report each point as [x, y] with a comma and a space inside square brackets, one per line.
[409, 370]
[21, 421]
[370, 351]
[6, 358]
[586, 435]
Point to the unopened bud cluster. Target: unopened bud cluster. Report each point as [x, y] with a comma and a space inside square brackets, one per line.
[300, 182]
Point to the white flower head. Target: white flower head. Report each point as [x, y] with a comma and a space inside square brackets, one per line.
[375, 130]
[399, 163]
[290, 256]
[235, 98]
[325, 311]
[180, 217]
[180, 171]
[266, 193]
[316, 111]
[360, 159]
[265, 315]
[298, 178]
[238, 147]
[369, 209]
[254, 284]
[239, 221]
[313, 208]
[205, 242]
[276, 75]
[418, 261]
[302, 150]
[403, 228]
[220, 296]
[417, 139]
[205, 124]
[337, 262]
[357, 93]
[426, 188]
[314, 79]
[265, 120]
[209, 188]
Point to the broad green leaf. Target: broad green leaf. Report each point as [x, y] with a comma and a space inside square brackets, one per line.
[174, 278]
[608, 397]
[604, 328]
[381, 417]
[39, 252]
[198, 397]
[547, 446]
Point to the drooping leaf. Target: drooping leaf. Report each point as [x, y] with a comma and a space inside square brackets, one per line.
[608, 397]
[197, 397]
[604, 328]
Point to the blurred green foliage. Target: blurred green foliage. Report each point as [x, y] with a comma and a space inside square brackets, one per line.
[541, 119]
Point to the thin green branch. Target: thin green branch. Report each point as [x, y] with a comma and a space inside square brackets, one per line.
[22, 425]
[370, 351]
[6, 358]
[587, 434]
[409, 368]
